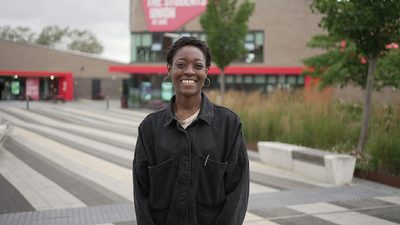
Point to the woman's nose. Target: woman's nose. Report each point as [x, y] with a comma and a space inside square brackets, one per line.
[189, 70]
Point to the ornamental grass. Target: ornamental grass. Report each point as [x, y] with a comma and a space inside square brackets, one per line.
[312, 118]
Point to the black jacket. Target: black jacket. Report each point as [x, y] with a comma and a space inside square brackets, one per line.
[195, 176]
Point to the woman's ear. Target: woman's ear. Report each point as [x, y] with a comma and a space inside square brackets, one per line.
[169, 67]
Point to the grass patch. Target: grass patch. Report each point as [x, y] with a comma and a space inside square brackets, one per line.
[314, 120]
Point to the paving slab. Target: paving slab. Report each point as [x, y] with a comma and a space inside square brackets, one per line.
[100, 178]
[11, 199]
[87, 191]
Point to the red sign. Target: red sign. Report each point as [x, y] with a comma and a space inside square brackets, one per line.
[32, 88]
[169, 15]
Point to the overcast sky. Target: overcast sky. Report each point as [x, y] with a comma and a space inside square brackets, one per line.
[107, 19]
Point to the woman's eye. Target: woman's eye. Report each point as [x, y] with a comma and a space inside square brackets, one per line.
[199, 66]
[180, 65]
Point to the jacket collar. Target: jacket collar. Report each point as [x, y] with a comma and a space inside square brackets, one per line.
[206, 110]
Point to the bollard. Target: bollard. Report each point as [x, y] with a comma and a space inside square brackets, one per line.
[107, 103]
[27, 102]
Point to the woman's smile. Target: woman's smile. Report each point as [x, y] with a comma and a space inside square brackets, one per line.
[189, 82]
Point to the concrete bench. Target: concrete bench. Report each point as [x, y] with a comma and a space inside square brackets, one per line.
[319, 165]
[5, 129]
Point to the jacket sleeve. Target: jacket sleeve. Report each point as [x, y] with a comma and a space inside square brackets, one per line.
[141, 184]
[236, 185]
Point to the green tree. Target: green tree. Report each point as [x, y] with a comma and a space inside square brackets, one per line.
[388, 71]
[339, 64]
[51, 35]
[225, 25]
[54, 36]
[18, 34]
[358, 31]
[84, 41]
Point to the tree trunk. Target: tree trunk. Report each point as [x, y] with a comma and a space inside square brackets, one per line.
[221, 88]
[367, 106]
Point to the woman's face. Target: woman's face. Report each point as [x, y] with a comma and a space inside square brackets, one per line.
[188, 71]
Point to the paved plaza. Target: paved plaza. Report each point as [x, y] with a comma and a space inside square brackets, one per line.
[70, 163]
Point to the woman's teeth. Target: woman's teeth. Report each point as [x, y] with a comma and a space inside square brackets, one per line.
[188, 81]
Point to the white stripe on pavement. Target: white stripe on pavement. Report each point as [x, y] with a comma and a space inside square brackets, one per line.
[99, 146]
[113, 177]
[251, 217]
[259, 222]
[391, 199]
[338, 215]
[98, 116]
[315, 208]
[257, 188]
[127, 139]
[38, 190]
[353, 218]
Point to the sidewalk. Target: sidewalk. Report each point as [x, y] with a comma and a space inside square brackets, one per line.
[70, 163]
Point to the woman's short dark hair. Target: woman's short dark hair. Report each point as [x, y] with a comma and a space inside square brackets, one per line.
[191, 41]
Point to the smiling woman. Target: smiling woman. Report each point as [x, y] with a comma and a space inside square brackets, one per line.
[191, 164]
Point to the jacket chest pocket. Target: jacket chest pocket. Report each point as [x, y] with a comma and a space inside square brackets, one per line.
[162, 183]
[210, 191]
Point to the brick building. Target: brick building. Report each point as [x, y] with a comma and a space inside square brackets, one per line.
[47, 73]
[275, 43]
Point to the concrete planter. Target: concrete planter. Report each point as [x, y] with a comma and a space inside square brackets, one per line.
[328, 167]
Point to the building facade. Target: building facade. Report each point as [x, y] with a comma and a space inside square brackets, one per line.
[45, 73]
[276, 44]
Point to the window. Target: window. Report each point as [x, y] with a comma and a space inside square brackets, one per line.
[229, 79]
[281, 79]
[239, 79]
[146, 40]
[254, 44]
[300, 80]
[259, 79]
[249, 38]
[291, 80]
[271, 79]
[203, 37]
[150, 47]
[153, 47]
[248, 79]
